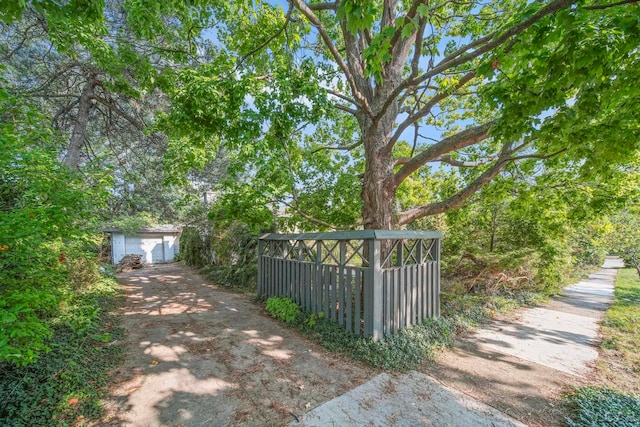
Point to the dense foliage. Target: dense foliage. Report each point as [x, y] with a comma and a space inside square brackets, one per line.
[378, 114]
[45, 212]
[283, 309]
[65, 385]
[624, 237]
[226, 253]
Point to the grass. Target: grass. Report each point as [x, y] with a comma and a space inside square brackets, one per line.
[616, 401]
[621, 325]
[65, 385]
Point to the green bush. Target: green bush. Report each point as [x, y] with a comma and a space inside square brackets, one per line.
[195, 249]
[283, 309]
[46, 214]
[226, 253]
[603, 407]
[64, 386]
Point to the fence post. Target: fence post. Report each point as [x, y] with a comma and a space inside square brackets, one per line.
[318, 291]
[437, 310]
[435, 255]
[260, 267]
[373, 304]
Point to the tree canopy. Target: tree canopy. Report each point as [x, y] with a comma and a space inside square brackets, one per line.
[336, 109]
[350, 113]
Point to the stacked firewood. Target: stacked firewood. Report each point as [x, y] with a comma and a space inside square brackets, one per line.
[129, 262]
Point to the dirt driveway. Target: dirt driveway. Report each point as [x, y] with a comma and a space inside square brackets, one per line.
[198, 355]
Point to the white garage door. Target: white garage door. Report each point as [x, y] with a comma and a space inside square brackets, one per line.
[150, 247]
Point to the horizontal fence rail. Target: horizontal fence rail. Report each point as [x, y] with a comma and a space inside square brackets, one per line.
[371, 282]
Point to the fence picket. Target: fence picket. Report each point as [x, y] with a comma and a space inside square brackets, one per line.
[358, 304]
[349, 298]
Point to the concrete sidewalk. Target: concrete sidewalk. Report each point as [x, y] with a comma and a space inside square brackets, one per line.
[563, 334]
[411, 399]
[550, 344]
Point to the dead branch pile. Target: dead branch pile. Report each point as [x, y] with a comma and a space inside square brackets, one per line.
[478, 275]
[129, 262]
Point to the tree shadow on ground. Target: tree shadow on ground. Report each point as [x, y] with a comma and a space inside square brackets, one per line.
[198, 355]
[526, 391]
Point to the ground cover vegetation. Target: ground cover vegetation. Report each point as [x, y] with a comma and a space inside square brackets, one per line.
[509, 126]
[410, 347]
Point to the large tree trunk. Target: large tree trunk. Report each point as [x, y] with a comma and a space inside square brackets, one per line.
[85, 105]
[378, 187]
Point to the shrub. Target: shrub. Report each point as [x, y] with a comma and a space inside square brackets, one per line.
[195, 248]
[226, 254]
[64, 385]
[45, 214]
[283, 309]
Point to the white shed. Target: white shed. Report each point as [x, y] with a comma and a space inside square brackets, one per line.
[156, 244]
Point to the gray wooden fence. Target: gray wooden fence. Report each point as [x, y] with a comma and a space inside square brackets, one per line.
[372, 282]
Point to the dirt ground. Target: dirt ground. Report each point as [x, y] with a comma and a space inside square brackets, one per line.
[199, 355]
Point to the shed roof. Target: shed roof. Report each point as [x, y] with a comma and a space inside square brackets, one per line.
[162, 228]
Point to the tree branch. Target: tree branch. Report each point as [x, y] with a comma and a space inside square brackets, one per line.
[343, 147]
[537, 155]
[60, 72]
[606, 6]
[417, 53]
[428, 106]
[460, 140]
[345, 108]
[411, 13]
[268, 40]
[341, 96]
[309, 217]
[446, 158]
[458, 199]
[326, 38]
[401, 161]
[466, 47]
[490, 42]
[461, 197]
[324, 6]
[112, 106]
